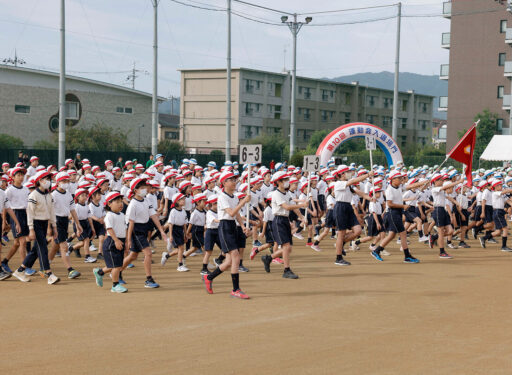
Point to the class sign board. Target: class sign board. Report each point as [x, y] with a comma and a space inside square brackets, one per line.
[311, 163]
[250, 154]
[370, 143]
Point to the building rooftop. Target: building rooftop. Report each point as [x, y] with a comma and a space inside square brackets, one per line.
[169, 121]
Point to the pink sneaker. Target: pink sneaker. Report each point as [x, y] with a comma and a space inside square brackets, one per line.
[239, 294]
[254, 252]
[316, 247]
[277, 261]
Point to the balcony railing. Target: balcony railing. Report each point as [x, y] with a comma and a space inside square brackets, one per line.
[445, 70]
[445, 40]
[508, 69]
[506, 103]
[447, 9]
[443, 104]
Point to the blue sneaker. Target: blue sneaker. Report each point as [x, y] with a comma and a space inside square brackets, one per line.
[377, 256]
[411, 260]
[5, 238]
[131, 265]
[151, 284]
[118, 289]
[6, 268]
[122, 282]
[29, 271]
[257, 243]
[99, 278]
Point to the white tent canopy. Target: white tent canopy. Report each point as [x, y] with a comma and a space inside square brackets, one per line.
[498, 149]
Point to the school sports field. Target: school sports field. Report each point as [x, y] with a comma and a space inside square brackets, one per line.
[437, 317]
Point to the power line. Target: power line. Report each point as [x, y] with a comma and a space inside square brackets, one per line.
[198, 6]
[263, 7]
[346, 10]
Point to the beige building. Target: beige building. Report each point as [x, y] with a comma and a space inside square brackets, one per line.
[261, 106]
[29, 106]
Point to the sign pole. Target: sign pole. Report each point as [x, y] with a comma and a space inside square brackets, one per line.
[249, 194]
[307, 199]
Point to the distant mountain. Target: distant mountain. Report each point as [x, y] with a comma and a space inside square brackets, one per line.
[170, 107]
[421, 84]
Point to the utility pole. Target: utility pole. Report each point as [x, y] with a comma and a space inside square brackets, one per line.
[294, 27]
[133, 75]
[154, 122]
[14, 62]
[62, 85]
[397, 72]
[228, 88]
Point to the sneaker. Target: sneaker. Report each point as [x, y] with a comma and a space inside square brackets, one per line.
[100, 256]
[423, 239]
[163, 260]
[452, 246]
[445, 256]
[482, 241]
[77, 253]
[93, 248]
[122, 282]
[73, 274]
[207, 284]
[89, 259]
[151, 284]
[6, 268]
[205, 272]
[52, 279]
[372, 247]
[217, 262]
[298, 236]
[316, 238]
[99, 278]
[353, 246]
[385, 253]
[5, 238]
[377, 256]
[4, 275]
[398, 241]
[316, 247]
[239, 294]
[343, 252]
[430, 242]
[256, 243]
[118, 289]
[473, 231]
[411, 259]
[58, 255]
[193, 254]
[243, 269]
[266, 259]
[29, 271]
[21, 276]
[507, 249]
[131, 265]
[464, 245]
[182, 268]
[289, 275]
[493, 241]
[309, 244]
[254, 251]
[342, 262]
[277, 261]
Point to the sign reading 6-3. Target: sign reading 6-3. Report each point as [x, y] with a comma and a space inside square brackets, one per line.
[250, 154]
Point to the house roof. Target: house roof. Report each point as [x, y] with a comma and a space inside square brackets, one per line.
[168, 121]
[81, 79]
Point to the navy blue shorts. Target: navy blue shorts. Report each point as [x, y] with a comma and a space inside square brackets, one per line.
[281, 230]
[269, 237]
[309, 217]
[21, 215]
[461, 220]
[344, 216]
[477, 213]
[441, 217]
[418, 212]
[98, 228]
[499, 219]
[372, 225]
[178, 235]
[86, 230]
[62, 223]
[329, 219]
[113, 257]
[228, 236]
[394, 221]
[488, 214]
[410, 215]
[293, 216]
[321, 202]
[211, 238]
[241, 238]
[139, 237]
[197, 233]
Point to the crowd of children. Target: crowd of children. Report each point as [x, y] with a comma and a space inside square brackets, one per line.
[53, 212]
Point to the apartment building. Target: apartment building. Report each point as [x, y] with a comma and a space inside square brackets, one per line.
[260, 105]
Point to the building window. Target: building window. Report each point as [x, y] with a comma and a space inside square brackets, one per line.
[403, 122]
[326, 116]
[423, 107]
[274, 131]
[499, 124]
[274, 111]
[501, 59]
[404, 105]
[72, 111]
[503, 26]
[422, 124]
[370, 119]
[387, 120]
[347, 98]
[304, 134]
[306, 91]
[18, 108]
[251, 108]
[403, 139]
[388, 102]
[171, 135]
[371, 101]
[277, 92]
[501, 91]
[128, 110]
[251, 131]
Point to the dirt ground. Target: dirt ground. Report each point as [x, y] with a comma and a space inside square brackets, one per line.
[437, 317]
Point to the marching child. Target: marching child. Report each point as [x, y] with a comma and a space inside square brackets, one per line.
[196, 224]
[98, 218]
[113, 246]
[211, 236]
[268, 217]
[85, 223]
[499, 199]
[176, 223]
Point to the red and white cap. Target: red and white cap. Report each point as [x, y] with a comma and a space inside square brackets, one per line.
[269, 196]
[183, 185]
[29, 184]
[107, 162]
[435, 177]
[93, 190]
[40, 175]
[33, 158]
[293, 180]
[116, 169]
[212, 199]
[341, 169]
[187, 172]
[5, 164]
[71, 172]
[196, 187]
[68, 161]
[89, 177]
[199, 197]
[225, 175]
[62, 176]
[395, 174]
[279, 175]
[86, 166]
[243, 187]
[101, 182]
[153, 183]
[376, 189]
[157, 164]
[111, 196]
[80, 192]
[128, 162]
[136, 182]
[86, 161]
[176, 197]
[240, 195]
[18, 170]
[95, 169]
[139, 166]
[208, 180]
[40, 168]
[496, 182]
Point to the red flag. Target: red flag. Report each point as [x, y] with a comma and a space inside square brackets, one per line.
[463, 152]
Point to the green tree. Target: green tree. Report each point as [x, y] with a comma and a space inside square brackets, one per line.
[98, 137]
[43, 144]
[272, 146]
[10, 142]
[168, 147]
[486, 129]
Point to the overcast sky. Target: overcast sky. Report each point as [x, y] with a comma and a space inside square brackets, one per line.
[105, 37]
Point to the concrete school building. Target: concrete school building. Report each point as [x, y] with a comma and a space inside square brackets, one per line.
[29, 106]
[261, 106]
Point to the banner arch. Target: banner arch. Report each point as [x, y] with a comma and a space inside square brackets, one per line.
[359, 130]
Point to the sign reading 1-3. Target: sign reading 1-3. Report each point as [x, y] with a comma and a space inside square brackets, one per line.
[370, 143]
[311, 163]
[250, 154]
